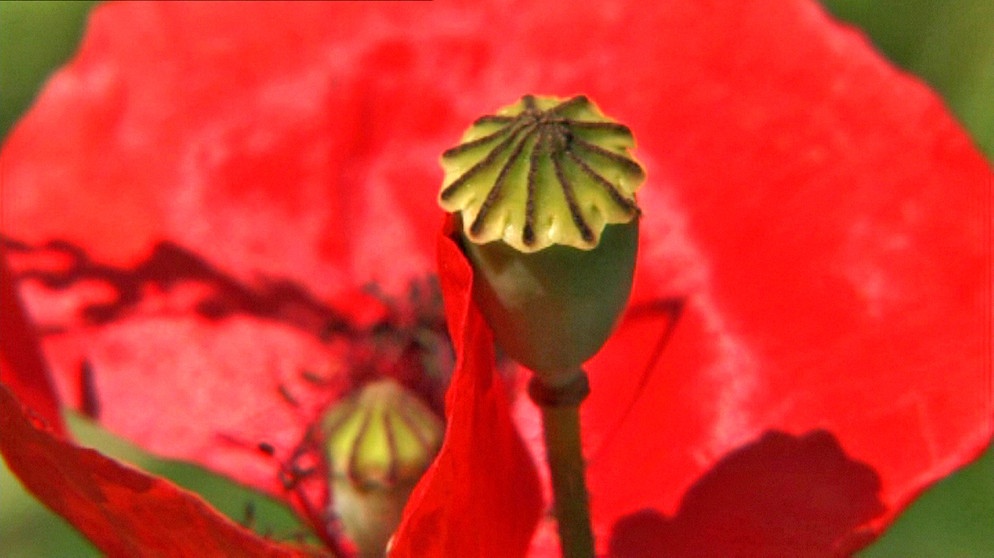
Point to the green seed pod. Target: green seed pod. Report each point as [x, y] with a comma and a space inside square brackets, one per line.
[545, 190]
[380, 441]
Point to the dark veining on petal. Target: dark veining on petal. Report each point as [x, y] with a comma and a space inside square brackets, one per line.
[167, 267]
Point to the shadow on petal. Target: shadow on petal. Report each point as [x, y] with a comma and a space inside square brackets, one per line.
[781, 495]
[169, 266]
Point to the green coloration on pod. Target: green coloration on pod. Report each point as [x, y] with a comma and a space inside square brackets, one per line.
[379, 441]
[545, 195]
[552, 310]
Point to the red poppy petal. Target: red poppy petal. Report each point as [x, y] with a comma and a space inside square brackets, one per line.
[21, 365]
[122, 510]
[258, 147]
[481, 496]
[832, 263]
[243, 384]
[820, 214]
[209, 203]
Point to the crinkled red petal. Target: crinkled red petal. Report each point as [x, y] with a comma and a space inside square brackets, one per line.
[123, 511]
[819, 216]
[22, 366]
[828, 242]
[481, 496]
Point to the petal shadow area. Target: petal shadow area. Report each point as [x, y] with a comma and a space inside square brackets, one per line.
[782, 495]
[167, 266]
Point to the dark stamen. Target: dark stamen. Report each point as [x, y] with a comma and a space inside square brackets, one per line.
[249, 520]
[90, 401]
[267, 448]
[287, 396]
[314, 378]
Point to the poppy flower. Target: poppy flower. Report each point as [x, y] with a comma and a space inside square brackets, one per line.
[221, 221]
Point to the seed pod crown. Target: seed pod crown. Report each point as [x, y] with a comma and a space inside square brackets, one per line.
[542, 172]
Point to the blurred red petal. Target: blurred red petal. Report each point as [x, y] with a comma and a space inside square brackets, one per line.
[481, 496]
[22, 366]
[257, 146]
[123, 511]
[820, 215]
[825, 228]
[242, 384]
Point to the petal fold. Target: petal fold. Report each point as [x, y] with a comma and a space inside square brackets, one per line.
[125, 512]
[481, 497]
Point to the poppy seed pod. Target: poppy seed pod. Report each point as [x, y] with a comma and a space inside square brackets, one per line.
[545, 195]
[379, 443]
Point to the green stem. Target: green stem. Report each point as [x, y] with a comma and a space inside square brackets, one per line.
[561, 423]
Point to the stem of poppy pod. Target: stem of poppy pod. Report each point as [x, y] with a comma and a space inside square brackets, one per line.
[560, 406]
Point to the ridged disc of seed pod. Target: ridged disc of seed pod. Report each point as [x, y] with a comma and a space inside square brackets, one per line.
[544, 191]
[542, 172]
